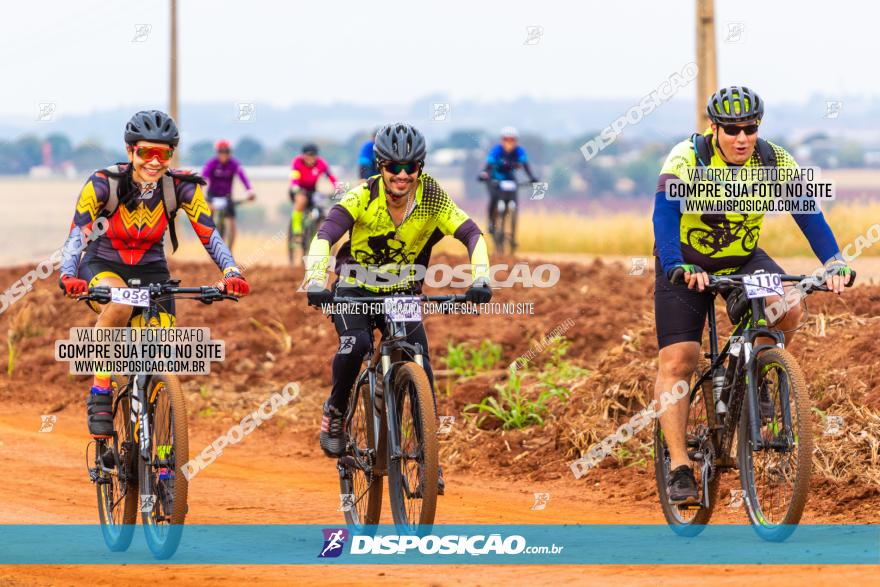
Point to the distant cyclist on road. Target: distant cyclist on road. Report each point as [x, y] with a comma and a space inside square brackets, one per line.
[220, 172]
[367, 159]
[501, 164]
[393, 220]
[693, 245]
[142, 208]
[305, 170]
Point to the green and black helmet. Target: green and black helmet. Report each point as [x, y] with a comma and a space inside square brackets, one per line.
[735, 104]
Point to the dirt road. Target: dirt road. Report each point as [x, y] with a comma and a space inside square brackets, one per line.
[268, 480]
[278, 475]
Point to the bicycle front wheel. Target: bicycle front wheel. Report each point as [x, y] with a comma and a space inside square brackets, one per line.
[692, 519]
[776, 477]
[413, 459]
[360, 487]
[163, 485]
[117, 489]
[510, 227]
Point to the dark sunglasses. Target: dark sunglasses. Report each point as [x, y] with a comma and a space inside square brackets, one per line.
[410, 167]
[164, 154]
[223, 152]
[734, 130]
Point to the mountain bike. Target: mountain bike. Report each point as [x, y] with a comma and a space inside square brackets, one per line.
[220, 212]
[504, 214]
[392, 425]
[140, 467]
[313, 215]
[760, 399]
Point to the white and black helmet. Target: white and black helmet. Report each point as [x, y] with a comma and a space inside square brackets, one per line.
[399, 143]
[152, 125]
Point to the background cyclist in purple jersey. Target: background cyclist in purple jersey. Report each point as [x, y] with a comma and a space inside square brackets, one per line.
[220, 173]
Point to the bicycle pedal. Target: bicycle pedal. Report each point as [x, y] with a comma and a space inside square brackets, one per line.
[93, 474]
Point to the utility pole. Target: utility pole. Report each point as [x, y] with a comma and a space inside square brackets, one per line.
[707, 76]
[172, 86]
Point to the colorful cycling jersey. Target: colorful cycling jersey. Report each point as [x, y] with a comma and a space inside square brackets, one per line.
[136, 229]
[220, 176]
[301, 175]
[367, 161]
[720, 243]
[374, 241]
[502, 165]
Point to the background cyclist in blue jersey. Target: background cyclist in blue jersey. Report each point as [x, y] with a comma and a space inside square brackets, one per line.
[501, 164]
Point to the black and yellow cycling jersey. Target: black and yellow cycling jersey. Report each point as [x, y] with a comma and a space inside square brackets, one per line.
[376, 244]
[716, 242]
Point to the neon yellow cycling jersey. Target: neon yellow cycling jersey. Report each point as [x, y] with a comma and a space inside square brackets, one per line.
[374, 241]
[717, 242]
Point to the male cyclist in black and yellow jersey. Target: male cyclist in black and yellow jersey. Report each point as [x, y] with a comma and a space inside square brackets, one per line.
[135, 199]
[393, 220]
[690, 245]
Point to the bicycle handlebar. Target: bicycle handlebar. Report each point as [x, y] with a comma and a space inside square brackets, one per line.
[381, 299]
[716, 281]
[207, 294]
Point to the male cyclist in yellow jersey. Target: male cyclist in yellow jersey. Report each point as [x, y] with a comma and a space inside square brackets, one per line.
[690, 245]
[394, 219]
[139, 200]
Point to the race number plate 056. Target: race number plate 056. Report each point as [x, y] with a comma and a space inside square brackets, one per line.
[404, 308]
[761, 285]
[130, 296]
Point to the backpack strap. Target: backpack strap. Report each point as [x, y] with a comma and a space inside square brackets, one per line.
[113, 192]
[767, 153]
[169, 197]
[702, 149]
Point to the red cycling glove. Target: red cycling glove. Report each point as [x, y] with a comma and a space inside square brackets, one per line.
[73, 286]
[235, 284]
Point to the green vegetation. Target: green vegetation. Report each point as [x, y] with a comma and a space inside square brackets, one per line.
[516, 407]
[467, 360]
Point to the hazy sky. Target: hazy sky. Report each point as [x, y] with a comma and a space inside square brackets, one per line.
[87, 55]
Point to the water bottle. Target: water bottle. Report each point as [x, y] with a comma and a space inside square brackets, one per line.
[717, 387]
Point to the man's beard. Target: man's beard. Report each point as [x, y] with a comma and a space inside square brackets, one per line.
[400, 193]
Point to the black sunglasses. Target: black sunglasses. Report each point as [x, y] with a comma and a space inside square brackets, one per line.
[394, 168]
[734, 130]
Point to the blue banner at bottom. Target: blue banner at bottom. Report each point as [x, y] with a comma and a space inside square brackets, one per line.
[445, 544]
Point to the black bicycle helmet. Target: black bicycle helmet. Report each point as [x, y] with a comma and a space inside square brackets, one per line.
[735, 104]
[310, 149]
[399, 143]
[152, 125]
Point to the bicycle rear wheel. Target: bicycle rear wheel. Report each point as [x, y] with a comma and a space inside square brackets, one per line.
[689, 520]
[357, 467]
[413, 459]
[776, 479]
[117, 490]
[163, 485]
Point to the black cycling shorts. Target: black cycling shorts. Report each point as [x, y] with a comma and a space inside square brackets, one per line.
[93, 269]
[230, 203]
[680, 313]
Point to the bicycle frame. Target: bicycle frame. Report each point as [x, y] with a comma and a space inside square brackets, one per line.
[393, 348]
[753, 326]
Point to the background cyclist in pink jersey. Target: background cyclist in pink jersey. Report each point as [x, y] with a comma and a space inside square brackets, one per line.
[305, 169]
